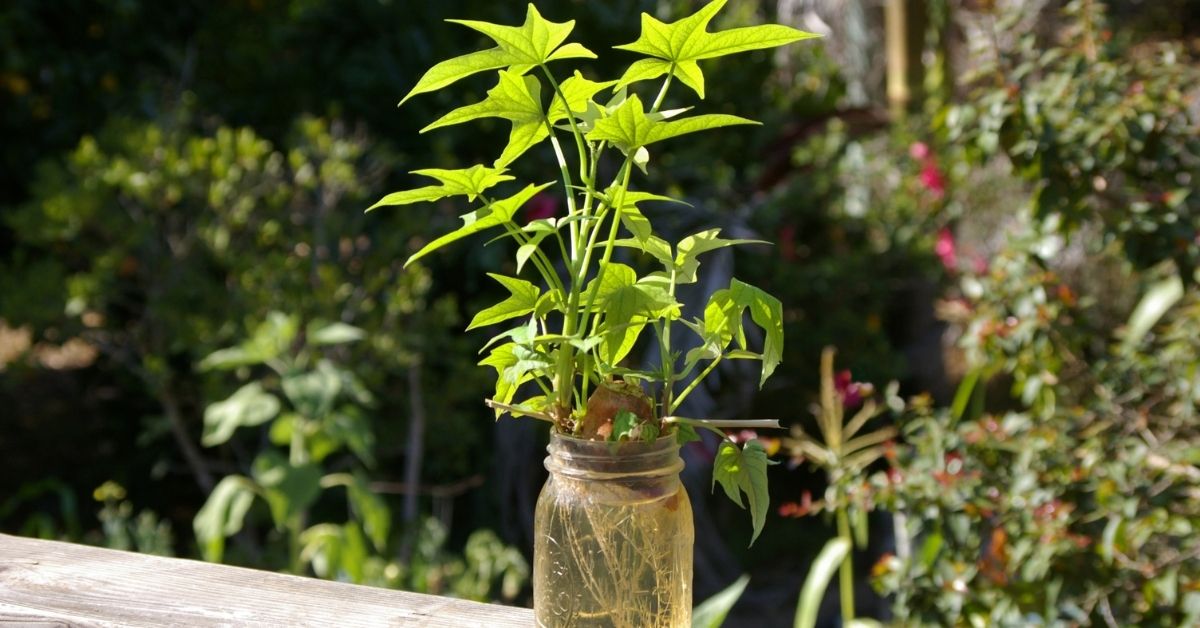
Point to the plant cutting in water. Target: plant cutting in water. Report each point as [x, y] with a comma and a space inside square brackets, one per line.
[564, 361]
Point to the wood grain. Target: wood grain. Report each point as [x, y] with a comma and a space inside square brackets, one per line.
[47, 583]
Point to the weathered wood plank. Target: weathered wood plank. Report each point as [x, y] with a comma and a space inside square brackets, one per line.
[47, 583]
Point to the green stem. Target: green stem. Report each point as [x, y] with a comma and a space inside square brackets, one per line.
[695, 382]
[662, 92]
[567, 187]
[668, 363]
[571, 119]
[846, 572]
[618, 202]
[539, 258]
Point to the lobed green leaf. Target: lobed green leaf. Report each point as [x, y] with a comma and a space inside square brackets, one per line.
[678, 45]
[629, 128]
[744, 471]
[469, 182]
[523, 297]
[492, 215]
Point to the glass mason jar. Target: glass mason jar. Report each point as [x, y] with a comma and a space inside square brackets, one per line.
[613, 536]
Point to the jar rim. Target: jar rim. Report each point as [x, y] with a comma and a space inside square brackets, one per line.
[603, 460]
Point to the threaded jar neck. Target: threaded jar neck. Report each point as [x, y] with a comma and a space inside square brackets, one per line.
[600, 460]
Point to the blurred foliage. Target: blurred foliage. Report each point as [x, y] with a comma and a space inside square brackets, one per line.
[1070, 500]
[323, 415]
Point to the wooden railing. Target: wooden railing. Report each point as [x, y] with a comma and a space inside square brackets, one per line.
[48, 583]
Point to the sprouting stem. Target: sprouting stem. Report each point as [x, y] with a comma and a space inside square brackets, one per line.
[695, 382]
[571, 119]
[662, 92]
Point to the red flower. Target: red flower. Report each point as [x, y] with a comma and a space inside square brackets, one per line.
[797, 510]
[946, 249]
[541, 206]
[851, 392]
[931, 177]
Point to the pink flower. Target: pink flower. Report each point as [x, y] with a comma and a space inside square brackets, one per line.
[541, 206]
[946, 249]
[919, 151]
[851, 392]
[743, 436]
[931, 177]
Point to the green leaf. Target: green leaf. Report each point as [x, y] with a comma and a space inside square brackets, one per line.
[493, 215]
[313, 392]
[623, 424]
[656, 247]
[571, 51]
[469, 182]
[578, 92]
[222, 515]
[523, 297]
[334, 334]
[690, 248]
[767, 312]
[685, 434]
[681, 43]
[962, 396]
[354, 552]
[271, 338]
[1154, 304]
[249, 406]
[289, 489]
[744, 471]
[644, 70]
[515, 98]
[615, 277]
[534, 42]
[452, 70]
[370, 510]
[819, 574]
[711, 612]
[513, 363]
[321, 546]
[626, 310]
[350, 427]
[629, 128]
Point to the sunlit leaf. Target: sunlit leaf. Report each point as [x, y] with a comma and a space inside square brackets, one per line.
[515, 98]
[532, 43]
[689, 249]
[578, 92]
[681, 43]
[522, 299]
[469, 182]
[629, 128]
[493, 215]
[452, 70]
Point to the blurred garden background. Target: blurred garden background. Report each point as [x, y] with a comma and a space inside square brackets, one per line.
[990, 208]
